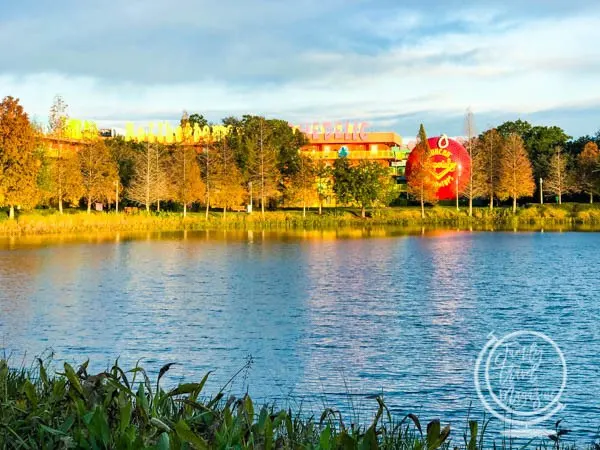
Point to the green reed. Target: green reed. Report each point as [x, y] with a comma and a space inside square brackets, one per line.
[118, 409]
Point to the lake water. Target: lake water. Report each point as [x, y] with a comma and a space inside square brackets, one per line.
[331, 318]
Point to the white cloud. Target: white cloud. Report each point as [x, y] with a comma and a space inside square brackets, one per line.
[513, 66]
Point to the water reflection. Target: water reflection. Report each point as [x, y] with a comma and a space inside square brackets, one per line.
[324, 313]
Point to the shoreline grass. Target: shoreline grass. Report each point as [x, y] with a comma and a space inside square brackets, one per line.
[127, 410]
[50, 222]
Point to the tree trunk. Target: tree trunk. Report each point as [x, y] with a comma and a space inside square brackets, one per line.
[11, 212]
[591, 197]
[303, 209]
[89, 205]
[362, 212]
[560, 198]
[224, 210]
[471, 206]
[184, 210]
[157, 205]
[422, 208]
[491, 202]
[320, 208]
[60, 202]
[207, 206]
[514, 205]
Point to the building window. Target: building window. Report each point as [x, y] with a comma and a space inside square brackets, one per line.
[326, 148]
[373, 147]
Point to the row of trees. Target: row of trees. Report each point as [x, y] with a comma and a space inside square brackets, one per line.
[516, 160]
[259, 162]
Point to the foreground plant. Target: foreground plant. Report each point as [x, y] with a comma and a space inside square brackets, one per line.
[115, 409]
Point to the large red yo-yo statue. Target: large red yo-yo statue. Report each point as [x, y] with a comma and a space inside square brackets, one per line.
[450, 162]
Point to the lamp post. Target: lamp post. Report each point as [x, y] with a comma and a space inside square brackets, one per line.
[458, 173]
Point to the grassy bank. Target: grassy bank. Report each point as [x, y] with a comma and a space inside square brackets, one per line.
[126, 410]
[50, 222]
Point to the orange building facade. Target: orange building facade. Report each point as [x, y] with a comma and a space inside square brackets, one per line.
[356, 144]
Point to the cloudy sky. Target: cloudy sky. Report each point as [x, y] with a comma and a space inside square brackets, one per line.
[393, 63]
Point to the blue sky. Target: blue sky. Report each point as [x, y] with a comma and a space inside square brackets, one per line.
[392, 63]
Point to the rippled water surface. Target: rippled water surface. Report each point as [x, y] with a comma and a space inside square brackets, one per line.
[326, 317]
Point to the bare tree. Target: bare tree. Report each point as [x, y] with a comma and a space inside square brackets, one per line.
[149, 183]
[470, 133]
[485, 165]
[65, 181]
[558, 180]
[263, 168]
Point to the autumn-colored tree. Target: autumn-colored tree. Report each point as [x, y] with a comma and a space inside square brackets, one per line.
[516, 173]
[587, 170]
[419, 180]
[149, 183]
[324, 180]
[187, 186]
[65, 177]
[558, 180]
[263, 162]
[303, 187]
[487, 153]
[19, 165]
[228, 187]
[98, 172]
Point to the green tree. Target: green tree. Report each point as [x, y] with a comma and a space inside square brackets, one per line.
[19, 165]
[587, 166]
[99, 173]
[541, 143]
[371, 185]
[518, 127]
[420, 184]
[516, 174]
[197, 119]
[342, 180]
[324, 180]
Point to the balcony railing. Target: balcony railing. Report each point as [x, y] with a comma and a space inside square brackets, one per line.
[358, 154]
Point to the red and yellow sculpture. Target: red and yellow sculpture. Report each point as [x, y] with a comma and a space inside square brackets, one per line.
[450, 166]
